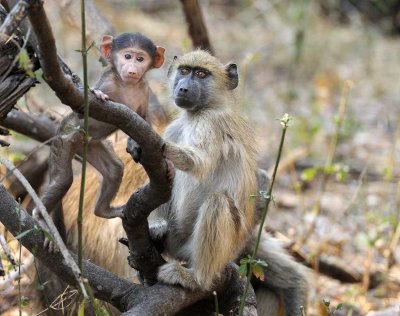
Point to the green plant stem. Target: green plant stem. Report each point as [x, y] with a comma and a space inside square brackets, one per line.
[216, 303]
[395, 237]
[42, 285]
[86, 135]
[264, 215]
[316, 210]
[19, 260]
[84, 52]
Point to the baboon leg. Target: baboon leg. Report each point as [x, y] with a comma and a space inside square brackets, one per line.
[101, 155]
[213, 244]
[62, 151]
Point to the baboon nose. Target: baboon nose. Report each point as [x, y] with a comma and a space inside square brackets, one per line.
[184, 90]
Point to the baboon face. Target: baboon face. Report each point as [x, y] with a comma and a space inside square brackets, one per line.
[191, 87]
[200, 79]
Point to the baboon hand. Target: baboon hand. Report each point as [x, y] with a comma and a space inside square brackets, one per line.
[134, 149]
[47, 244]
[100, 94]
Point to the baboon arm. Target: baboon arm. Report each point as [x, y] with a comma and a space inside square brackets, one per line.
[191, 160]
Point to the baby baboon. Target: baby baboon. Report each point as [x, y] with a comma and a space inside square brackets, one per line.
[130, 56]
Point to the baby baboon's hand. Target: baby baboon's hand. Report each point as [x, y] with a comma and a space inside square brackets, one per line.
[100, 95]
[48, 244]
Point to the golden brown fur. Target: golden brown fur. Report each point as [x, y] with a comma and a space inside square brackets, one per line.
[100, 236]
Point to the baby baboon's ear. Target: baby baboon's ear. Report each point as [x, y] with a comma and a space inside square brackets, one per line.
[106, 46]
[159, 60]
[233, 77]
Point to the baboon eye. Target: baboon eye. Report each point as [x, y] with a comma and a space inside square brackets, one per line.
[184, 71]
[201, 74]
[140, 59]
[128, 56]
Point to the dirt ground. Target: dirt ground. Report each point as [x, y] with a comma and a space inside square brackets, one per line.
[294, 60]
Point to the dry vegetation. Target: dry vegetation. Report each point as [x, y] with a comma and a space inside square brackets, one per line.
[294, 60]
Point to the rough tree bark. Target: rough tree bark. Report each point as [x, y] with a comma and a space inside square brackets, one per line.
[14, 82]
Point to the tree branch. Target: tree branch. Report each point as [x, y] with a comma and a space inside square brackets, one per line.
[14, 18]
[196, 27]
[39, 127]
[17, 221]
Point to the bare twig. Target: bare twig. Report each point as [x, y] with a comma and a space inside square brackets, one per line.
[53, 230]
[2, 272]
[7, 251]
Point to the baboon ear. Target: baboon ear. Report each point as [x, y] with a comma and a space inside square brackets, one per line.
[159, 59]
[233, 77]
[171, 66]
[106, 46]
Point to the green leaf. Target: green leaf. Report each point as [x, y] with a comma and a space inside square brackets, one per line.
[339, 306]
[261, 263]
[265, 195]
[48, 236]
[103, 310]
[341, 171]
[40, 287]
[309, 174]
[39, 74]
[23, 234]
[103, 61]
[328, 169]
[25, 62]
[24, 301]
[81, 310]
[243, 270]
[245, 260]
[326, 302]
